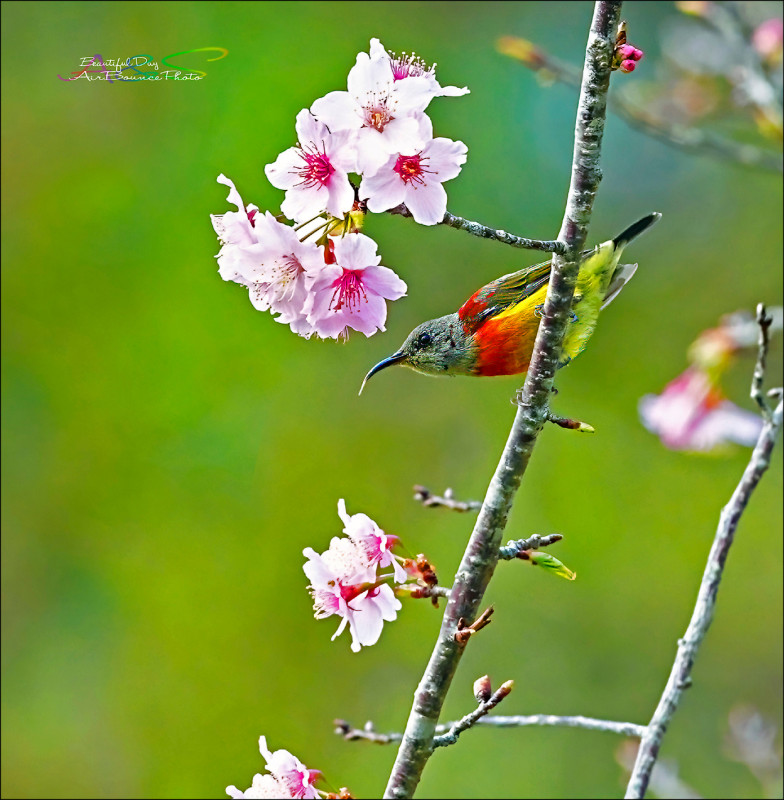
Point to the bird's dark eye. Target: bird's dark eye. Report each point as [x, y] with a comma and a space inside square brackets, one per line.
[424, 340]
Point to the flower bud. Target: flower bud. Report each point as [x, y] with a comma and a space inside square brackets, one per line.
[482, 689]
[626, 51]
[628, 65]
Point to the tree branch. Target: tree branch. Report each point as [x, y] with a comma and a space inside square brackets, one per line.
[469, 720]
[680, 676]
[430, 500]
[513, 548]
[477, 229]
[481, 555]
[368, 733]
[674, 134]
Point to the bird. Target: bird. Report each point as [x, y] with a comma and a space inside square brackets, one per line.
[493, 332]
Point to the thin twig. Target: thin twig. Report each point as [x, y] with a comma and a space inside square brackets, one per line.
[430, 500]
[469, 720]
[764, 322]
[680, 676]
[482, 553]
[672, 133]
[477, 229]
[369, 734]
[513, 548]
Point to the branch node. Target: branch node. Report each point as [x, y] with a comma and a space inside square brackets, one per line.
[466, 631]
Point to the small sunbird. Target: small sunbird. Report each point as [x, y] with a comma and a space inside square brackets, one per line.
[493, 332]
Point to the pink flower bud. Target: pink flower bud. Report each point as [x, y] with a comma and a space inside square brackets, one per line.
[482, 689]
[626, 51]
[628, 65]
[638, 54]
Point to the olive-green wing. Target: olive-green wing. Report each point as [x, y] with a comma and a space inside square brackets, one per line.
[501, 293]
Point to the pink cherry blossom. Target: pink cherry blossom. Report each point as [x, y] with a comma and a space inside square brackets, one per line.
[236, 233]
[279, 271]
[351, 293]
[691, 414]
[315, 172]
[342, 582]
[372, 541]
[416, 179]
[264, 787]
[378, 108]
[407, 66]
[290, 773]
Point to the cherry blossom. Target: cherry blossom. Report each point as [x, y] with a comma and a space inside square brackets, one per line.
[416, 179]
[290, 773]
[372, 541]
[692, 414]
[411, 66]
[343, 583]
[263, 787]
[315, 172]
[279, 272]
[236, 234]
[378, 108]
[351, 293]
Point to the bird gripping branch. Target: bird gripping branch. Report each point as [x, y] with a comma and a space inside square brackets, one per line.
[493, 332]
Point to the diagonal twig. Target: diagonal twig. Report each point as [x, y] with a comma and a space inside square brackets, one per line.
[688, 646]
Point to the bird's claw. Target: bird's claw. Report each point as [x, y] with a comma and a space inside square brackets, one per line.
[539, 310]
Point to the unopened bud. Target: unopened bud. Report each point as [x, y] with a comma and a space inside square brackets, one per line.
[482, 689]
[628, 65]
[626, 51]
[638, 54]
[504, 689]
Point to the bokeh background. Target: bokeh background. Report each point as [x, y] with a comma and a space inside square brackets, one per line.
[168, 451]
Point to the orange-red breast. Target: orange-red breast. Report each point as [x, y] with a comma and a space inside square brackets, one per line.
[493, 332]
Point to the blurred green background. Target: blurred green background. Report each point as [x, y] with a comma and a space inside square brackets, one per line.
[168, 451]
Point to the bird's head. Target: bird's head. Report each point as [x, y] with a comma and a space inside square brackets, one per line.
[436, 347]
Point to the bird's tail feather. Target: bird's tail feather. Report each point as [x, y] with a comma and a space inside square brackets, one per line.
[633, 231]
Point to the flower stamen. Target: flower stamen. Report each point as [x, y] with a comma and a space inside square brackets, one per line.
[349, 290]
[411, 169]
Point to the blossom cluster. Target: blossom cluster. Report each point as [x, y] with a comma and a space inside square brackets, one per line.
[348, 579]
[287, 777]
[323, 276]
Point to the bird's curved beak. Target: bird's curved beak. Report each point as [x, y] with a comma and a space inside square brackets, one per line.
[395, 358]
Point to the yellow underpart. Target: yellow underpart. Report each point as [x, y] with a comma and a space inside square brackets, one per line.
[592, 282]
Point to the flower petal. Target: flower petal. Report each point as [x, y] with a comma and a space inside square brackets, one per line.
[427, 203]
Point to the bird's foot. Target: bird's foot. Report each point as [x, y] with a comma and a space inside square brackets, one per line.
[563, 363]
[539, 310]
[573, 317]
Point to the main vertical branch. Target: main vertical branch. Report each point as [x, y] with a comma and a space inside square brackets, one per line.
[482, 553]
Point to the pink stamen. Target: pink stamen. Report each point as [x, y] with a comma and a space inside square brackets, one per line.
[410, 169]
[405, 66]
[348, 290]
[317, 169]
